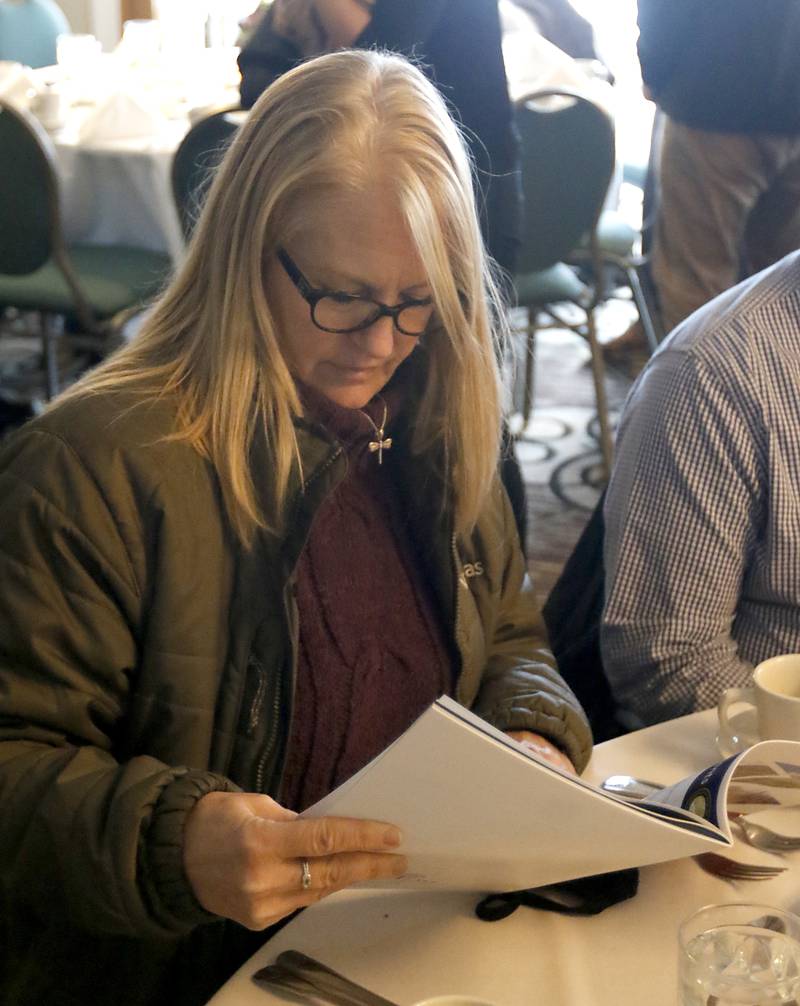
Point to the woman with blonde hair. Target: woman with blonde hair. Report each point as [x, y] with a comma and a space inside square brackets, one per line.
[242, 555]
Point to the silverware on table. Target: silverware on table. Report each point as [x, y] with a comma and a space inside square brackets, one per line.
[732, 869]
[323, 981]
[713, 862]
[762, 837]
[628, 786]
[279, 979]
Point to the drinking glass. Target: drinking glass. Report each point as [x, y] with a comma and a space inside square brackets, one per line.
[77, 54]
[78, 57]
[141, 41]
[739, 955]
[183, 24]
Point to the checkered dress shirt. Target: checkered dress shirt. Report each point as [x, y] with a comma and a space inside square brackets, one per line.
[702, 548]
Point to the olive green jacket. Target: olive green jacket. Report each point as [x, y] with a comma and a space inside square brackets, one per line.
[146, 659]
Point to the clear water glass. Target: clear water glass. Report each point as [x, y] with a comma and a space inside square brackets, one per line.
[77, 54]
[739, 955]
[140, 44]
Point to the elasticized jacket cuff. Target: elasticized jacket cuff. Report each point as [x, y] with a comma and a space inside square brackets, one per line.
[171, 896]
[561, 726]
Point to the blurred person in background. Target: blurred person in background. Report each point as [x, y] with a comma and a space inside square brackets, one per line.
[563, 26]
[242, 555]
[726, 75]
[455, 42]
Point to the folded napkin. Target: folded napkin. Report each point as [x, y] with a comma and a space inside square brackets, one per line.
[584, 896]
[119, 117]
[17, 83]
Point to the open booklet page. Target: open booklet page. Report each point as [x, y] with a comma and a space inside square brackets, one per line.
[765, 776]
[480, 812]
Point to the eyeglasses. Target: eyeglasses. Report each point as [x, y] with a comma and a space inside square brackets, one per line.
[340, 312]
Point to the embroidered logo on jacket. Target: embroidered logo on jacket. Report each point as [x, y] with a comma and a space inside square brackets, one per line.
[473, 569]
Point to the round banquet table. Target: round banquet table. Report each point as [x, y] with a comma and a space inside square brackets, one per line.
[408, 946]
[118, 192]
[116, 189]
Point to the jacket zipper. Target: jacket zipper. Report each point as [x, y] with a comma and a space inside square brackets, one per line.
[269, 747]
[457, 612]
[290, 611]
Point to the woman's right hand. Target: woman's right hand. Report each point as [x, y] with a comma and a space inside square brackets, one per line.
[243, 854]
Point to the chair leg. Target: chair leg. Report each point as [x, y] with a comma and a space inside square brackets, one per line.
[52, 328]
[643, 308]
[530, 348]
[599, 377]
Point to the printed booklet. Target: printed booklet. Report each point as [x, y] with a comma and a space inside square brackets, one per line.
[480, 812]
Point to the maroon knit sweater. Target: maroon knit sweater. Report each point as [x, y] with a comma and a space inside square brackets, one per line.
[371, 654]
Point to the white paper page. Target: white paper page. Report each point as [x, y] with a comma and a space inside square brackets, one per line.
[479, 814]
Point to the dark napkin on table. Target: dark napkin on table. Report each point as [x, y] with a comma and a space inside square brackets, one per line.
[584, 896]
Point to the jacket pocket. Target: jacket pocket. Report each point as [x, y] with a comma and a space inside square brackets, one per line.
[260, 733]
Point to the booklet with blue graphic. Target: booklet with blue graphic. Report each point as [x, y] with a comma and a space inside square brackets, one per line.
[480, 812]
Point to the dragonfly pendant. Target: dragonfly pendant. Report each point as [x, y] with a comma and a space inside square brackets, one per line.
[380, 445]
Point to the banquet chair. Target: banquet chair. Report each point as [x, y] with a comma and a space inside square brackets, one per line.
[193, 163]
[567, 164]
[79, 294]
[625, 268]
[28, 31]
[625, 250]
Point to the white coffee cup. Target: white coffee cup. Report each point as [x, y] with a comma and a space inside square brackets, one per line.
[48, 107]
[775, 695]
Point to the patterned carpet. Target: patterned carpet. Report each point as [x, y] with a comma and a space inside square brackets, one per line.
[559, 454]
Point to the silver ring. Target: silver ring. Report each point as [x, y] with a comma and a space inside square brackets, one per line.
[306, 879]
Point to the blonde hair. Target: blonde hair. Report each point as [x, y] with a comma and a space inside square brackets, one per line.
[332, 123]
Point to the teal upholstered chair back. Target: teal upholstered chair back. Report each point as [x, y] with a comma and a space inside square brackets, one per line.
[28, 194]
[194, 163]
[567, 165]
[28, 31]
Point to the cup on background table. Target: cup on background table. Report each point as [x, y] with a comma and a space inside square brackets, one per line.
[740, 953]
[773, 701]
[78, 57]
[48, 107]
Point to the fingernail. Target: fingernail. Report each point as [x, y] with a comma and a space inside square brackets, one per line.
[392, 837]
[400, 867]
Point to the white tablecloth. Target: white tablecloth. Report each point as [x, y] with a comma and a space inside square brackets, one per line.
[411, 946]
[118, 191]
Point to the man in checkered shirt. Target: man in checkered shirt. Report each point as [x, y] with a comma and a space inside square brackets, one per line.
[702, 547]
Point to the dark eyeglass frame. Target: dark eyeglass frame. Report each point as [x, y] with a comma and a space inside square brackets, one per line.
[313, 295]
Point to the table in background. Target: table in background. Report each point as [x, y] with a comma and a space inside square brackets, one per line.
[119, 191]
[411, 946]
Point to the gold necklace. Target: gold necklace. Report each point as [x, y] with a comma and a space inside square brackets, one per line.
[381, 442]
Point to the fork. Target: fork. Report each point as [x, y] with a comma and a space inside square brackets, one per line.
[731, 869]
[302, 975]
[297, 988]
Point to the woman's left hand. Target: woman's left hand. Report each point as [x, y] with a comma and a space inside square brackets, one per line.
[542, 747]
